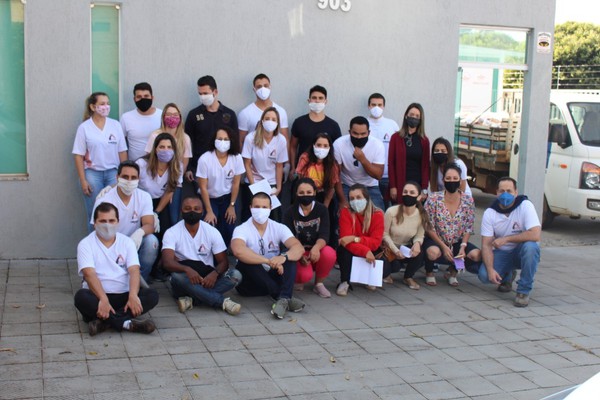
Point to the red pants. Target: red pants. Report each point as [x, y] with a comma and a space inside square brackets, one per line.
[304, 273]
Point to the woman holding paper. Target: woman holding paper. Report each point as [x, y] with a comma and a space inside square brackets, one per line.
[452, 213]
[361, 231]
[405, 226]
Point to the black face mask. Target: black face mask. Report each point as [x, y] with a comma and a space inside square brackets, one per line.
[359, 142]
[143, 104]
[306, 200]
[452, 187]
[409, 201]
[440, 158]
[191, 217]
[412, 122]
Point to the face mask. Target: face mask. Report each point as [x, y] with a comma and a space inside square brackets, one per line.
[172, 121]
[260, 215]
[316, 107]
[269, 126]
[165, 155]
[506, 199]
[412, 122]
[191, 217]
[106, 231]
[376, 112]
[306, 200]
[143, 104]
[440, 158]
[207, 99]
[263, 93]
[127, 187]
[320, 152]
[409, 201]
[359, 142]
[222, 145]
[358, 205]
[452, 187]
[103, 110]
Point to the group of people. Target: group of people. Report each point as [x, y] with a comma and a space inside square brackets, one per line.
[170, 200]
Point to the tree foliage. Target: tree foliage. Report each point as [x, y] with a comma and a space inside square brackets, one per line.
[576, 56]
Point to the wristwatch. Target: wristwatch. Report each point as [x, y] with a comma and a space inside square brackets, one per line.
[356, 239]
[285, 255]
[232, 204]
[425, 192]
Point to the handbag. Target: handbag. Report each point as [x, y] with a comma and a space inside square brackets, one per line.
[385, 253]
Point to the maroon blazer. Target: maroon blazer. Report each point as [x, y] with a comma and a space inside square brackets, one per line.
[397, 163]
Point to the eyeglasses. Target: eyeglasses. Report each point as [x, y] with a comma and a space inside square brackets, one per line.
[261, 243]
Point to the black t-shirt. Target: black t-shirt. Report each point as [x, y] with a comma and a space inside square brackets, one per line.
[414, 155]
[201, 125]
[308, 229]
[306, 129]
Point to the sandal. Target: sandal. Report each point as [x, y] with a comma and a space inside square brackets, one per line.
[430, 280]
[452, 281]
[411, 283]
[388, 279]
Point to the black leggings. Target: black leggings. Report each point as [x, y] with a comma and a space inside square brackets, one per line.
[256, 281]
[469, 264]
[412, 266]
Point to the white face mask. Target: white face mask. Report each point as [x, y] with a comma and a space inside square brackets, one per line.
[260, 215]
[106, 230]
[127, 187]
[263, 93]
[316, 107]
[376, 112]
[223, 145]
[358, 205]
[321, 152]
[207, 99]
[269, 126]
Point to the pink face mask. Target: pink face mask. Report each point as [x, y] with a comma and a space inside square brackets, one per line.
[172, 121]
[103, 110]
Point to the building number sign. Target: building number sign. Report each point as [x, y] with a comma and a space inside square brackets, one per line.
[335, 5]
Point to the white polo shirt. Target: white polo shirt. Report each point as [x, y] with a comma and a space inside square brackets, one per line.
[207, 242]
[351, 173]
[219, 177]
[249, 117]
[100, 148]
[156, 186]
[265, 160]
[130, 216]
[269, 244]
[497, 225]
[383, 129]
[137, 128]
[111, 264]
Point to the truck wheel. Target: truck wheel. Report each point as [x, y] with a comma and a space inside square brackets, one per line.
[547, 215]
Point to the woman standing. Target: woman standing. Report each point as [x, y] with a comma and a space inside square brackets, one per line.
[219, 173]
[361, 232]
[452, 214]
[409, 153]
[99, 148]
[441, 156]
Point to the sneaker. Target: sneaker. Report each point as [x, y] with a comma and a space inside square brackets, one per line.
[185, 303]
[142, 325]
[231, 307]
[506, 287]
[295, 304]
[342, 289]
[279, 308]
[371, 288]
[298, 287]
[97, 326]
[522, 300]
[322, 291]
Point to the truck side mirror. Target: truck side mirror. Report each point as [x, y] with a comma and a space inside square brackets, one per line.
[559, 134]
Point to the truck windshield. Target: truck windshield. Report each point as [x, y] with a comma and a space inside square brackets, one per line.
[586, 117]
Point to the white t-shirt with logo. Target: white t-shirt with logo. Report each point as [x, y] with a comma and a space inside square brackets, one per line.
[497, 225]
[249, 117]
[383, 129]
[137, 129]
[111, 264]
[100, 148]
[269, 244]
[219, 177]
[156, 186]
[463, 176]
[351, 170]
[264, 161]
[130, 216]
[207, 242]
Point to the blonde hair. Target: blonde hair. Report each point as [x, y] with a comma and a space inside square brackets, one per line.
[259, 134]
[179, 133]
[370, 209]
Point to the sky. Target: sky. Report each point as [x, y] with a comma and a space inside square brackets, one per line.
[578, 10]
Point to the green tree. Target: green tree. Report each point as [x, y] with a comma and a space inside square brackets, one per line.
[576, 56]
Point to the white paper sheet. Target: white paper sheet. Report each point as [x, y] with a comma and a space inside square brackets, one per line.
[263, 186]
[367, 273]
[405, 251]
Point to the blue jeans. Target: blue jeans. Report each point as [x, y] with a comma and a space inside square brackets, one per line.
[147, 254]
[181, 286]
[374, 193]
[98, 180]
[175, 206]
[526, 257]
[219, 206]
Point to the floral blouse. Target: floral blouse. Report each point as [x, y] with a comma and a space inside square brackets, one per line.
[450, 228]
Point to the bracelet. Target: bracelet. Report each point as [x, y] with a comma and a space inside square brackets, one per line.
[463, 245]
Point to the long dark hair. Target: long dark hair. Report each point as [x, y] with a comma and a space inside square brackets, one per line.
[421, 128]
[435, 167]
[424, 217]
[329, 163]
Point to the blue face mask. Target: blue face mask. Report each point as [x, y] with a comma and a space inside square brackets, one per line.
[506, 199]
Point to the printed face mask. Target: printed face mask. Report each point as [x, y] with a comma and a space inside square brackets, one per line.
[127, 187]
[260, 215]
[172, 121]
[103, 110]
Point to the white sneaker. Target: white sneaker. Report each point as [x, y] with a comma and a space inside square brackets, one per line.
[342, 289]
[231, 307]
